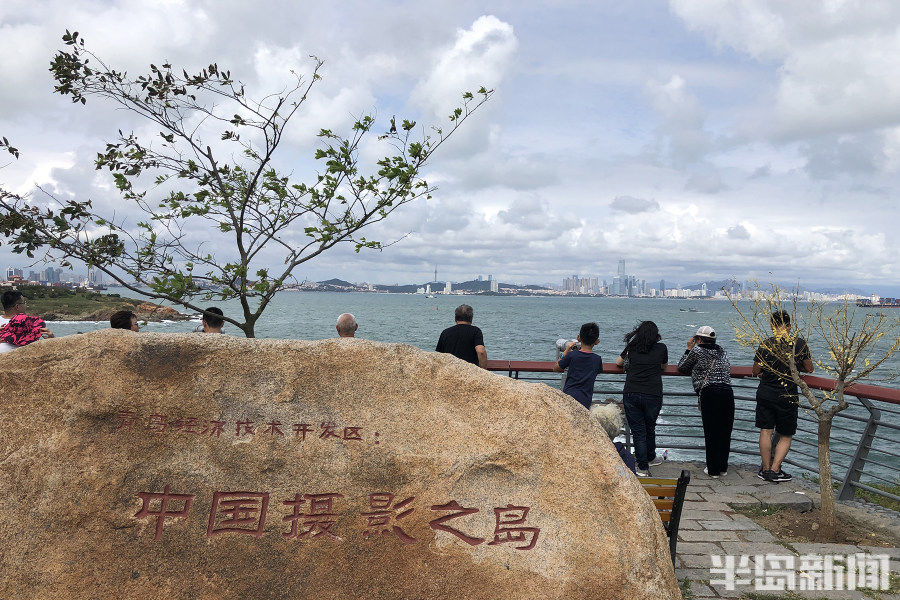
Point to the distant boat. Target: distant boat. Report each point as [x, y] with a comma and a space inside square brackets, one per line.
[692, 309]
[429, 296]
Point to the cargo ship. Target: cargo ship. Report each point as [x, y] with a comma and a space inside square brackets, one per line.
[876, 302]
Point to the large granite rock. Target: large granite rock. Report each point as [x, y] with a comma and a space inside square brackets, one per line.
[191, 466]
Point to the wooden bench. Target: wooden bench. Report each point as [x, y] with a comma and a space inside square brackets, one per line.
[668, 497]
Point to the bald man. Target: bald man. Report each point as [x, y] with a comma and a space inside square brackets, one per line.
[346, 325]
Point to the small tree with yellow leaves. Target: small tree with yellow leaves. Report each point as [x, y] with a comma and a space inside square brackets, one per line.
[857, 344]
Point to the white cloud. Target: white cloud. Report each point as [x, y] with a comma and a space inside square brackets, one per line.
[837, 71]
[762, 136]
[681, 120]
[480, 56]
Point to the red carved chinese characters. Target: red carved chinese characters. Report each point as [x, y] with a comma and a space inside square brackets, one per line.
[190, 425]
[156, 423]
[238, 512]
[164, 511]
[300, 430]
[314, 516]
[352, 433]
[328, 431]
[273, 428]
[438, 524]
[383, 512]
[214, 428]
[160, 423]
[513, 515]
[319, 521]
[125, 420]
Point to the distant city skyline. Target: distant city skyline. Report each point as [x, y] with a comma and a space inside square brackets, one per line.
[700, 141]
[637, 286]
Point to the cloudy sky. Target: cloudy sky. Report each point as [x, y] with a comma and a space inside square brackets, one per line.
[697, 139]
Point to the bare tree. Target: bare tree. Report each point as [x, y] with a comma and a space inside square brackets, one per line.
[234, 193]
[857, 344]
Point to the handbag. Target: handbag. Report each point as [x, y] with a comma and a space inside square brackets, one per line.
[705, 379]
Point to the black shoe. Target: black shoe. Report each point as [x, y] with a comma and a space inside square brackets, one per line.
[782, 476]
[761, 474]
[770, 476]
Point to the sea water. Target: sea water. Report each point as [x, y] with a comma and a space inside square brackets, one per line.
[527, 327]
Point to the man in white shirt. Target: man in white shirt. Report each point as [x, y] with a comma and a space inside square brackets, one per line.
[14, 303]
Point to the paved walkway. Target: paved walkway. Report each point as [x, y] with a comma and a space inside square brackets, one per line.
[710, 526]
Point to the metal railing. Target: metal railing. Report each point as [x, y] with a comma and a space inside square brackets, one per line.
[864, 437]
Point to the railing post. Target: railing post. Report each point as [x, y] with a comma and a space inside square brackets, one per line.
[848, 490]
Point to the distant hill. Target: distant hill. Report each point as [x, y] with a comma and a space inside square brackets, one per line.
[338, 282]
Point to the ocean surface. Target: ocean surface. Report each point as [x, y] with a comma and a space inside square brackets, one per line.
[526, 328]
[515, 327]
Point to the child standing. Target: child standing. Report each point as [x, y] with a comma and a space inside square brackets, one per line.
[583, 365]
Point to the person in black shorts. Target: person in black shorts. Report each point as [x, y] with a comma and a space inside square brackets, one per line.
[776, 398]
[464, 340]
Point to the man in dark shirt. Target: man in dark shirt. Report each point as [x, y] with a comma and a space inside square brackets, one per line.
[776, 398]
[464, 340]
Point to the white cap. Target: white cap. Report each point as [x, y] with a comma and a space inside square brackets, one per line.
[707, 332]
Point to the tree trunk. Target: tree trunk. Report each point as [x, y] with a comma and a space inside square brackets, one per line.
[249, 328]
[827, 521]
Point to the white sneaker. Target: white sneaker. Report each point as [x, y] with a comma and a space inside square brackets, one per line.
[705, 471]
[642, 472]
[656, 462]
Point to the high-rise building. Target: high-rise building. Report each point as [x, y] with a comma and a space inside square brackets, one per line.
[495, 285]
[10, 273]
[448, 288]
[662, 287]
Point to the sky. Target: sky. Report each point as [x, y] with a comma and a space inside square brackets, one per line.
[696, 139]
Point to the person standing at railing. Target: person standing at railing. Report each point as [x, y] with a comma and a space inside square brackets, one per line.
[710, 371]
[777, 400]
[644, 359]
[464, 340]
[583, 365]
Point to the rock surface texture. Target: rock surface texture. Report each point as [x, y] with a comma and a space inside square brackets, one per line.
[191, 466]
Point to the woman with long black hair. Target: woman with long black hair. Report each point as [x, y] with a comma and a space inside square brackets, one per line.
[644, 359]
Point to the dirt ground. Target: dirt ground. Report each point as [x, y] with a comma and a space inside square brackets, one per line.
[792, 526]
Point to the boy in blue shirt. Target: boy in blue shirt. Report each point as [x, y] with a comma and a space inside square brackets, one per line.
[583, 365]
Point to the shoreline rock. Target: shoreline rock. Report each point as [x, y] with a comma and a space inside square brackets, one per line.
[187, 466]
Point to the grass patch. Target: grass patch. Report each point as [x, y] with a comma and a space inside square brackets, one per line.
[57, 303]
[881, 500]
[891, 488]
[757, 510]
[686, 592]
[788, 546]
